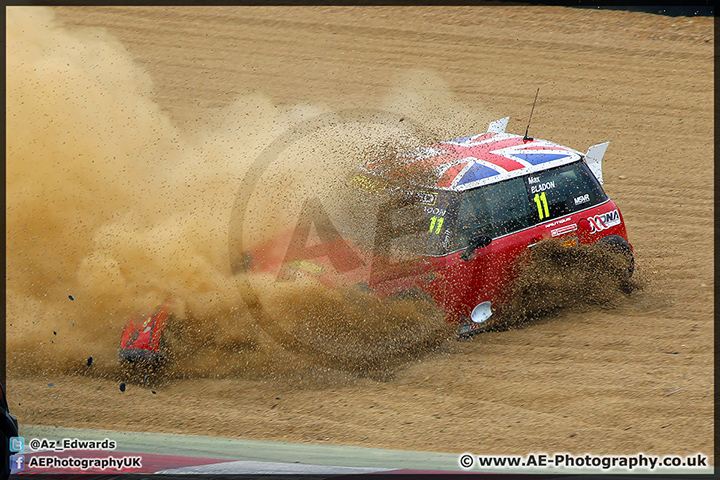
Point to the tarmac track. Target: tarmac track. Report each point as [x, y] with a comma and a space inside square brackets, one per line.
[190, 454]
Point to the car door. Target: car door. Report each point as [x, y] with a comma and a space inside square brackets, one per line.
[503, 212]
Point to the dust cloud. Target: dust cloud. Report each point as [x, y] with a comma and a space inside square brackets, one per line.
[550, 277]
[112, 208]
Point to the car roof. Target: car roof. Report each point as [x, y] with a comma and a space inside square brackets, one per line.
[469, 162]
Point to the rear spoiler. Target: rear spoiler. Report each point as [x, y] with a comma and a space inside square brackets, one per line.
[498, 126]
[594, 157]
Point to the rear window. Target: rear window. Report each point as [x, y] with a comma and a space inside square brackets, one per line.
[505, 207]
[563, 190]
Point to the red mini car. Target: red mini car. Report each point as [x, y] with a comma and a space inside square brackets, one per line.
[447, 222]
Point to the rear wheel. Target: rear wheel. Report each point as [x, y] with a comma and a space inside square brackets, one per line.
[620, 245]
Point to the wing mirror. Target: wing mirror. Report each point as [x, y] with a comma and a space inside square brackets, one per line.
[476, 241]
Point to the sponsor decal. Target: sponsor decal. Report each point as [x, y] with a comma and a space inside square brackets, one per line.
[570, 242]
[427, 198]
[446, 238]
[435, 211]
[558, 222]
[542, 187]
[604, 221]
[563, 230]
[582, 199]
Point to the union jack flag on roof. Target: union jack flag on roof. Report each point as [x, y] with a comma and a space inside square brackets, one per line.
[481, 159]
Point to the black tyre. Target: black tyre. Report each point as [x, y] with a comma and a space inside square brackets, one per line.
[619, 244]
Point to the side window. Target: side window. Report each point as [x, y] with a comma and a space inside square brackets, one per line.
[562, 191]
[493, 210]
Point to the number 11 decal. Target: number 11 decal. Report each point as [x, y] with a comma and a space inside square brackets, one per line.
[436, 223]
[542, 205]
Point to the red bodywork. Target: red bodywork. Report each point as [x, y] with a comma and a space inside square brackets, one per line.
[141, 337]
[457, 286]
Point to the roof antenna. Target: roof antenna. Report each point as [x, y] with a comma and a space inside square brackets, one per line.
[526, 138]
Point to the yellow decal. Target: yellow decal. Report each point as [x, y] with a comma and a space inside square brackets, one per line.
[436, 224]
[542, 205]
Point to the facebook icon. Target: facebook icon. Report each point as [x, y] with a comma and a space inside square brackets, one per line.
[17, 462]
[17, 444]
